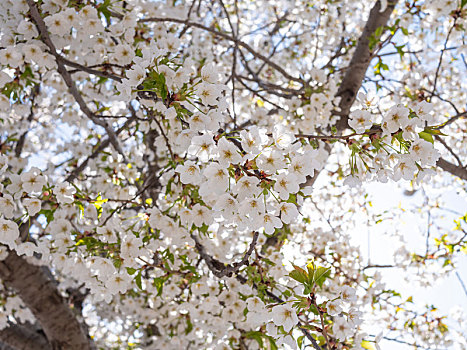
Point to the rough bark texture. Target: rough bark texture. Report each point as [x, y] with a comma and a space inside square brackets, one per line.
[452, 168]
[21, 337]
[361, 59]
[41, 296]
[357, 68]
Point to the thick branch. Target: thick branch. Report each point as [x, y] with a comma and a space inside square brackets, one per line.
[361, 59]
[220, 269]
[42, 28]
[41, 296]
[20, 337]
[452, 168]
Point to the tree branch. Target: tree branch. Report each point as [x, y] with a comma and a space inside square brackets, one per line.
[452, 168]
[20, 337]
[361, 59]
[42, 28]
[220, 269]
[41, 296]
[227, 37]
[80, 67]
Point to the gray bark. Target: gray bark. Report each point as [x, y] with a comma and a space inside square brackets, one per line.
[23, 337]
[452, 168]
[361, 59]
[60, 325]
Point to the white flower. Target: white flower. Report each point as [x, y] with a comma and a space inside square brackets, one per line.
[410, 131]
[91, 212]
[10, 57]
[27, 29]
[354, 317]
[283, 137]
[201, 147]
[208, 93]
[102, 267]
[378, 339]
[209, 73]
[360, 120]
[395, 118]
[424, 152]
[131, 246]
[106, 234]
[289, 341]
[218, 178]
[123, 54]
[405, 168]
[64, 192]
[57, 24]
[118, 283]
[33, 181]
[136, 75]
[348, 294]
[341, 328]
[189, 173]
[8, 232]
[255, 304]
[384, 5]
[285, 316]
[247, 187]
[334, 308]
[253, 207]
[301, 167]
[271, 161]
[7, 206]
[201, 215]
[199, 122]
[4, 78]
[285, 185]
[227, 152]
[32, 53]
[368, 100]
[227, 204]
[423, 110]
[288, 212]
[269, 222]
[33, 205]
[253, 140]
[26, 248]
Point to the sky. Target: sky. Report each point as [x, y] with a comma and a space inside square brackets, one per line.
[445, 293]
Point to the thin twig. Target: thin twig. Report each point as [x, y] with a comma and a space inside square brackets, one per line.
[227, 37]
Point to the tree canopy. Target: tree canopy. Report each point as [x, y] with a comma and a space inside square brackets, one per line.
[189, 174]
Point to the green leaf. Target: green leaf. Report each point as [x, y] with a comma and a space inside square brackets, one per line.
[258, 336]
[272, 343]
[379, 31]
[320, 275]
[104, 10]
[189, 325]
[138, 281]
[159, 284]
[431, 131]
[299, 274]
[426, 136]
[130, 270]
